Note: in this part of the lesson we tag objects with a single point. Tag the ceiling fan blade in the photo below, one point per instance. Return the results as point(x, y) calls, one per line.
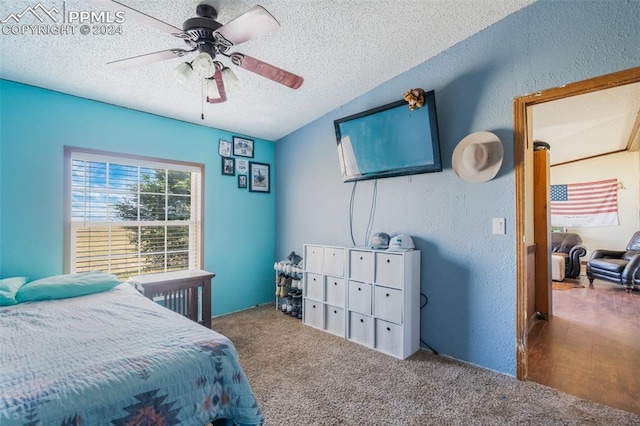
point(253, 23)
point(217, 76)
point(149, 58)
point(267, 70)
point(143, 18)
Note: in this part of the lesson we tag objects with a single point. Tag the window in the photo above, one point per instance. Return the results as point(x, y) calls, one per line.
point(131, 215)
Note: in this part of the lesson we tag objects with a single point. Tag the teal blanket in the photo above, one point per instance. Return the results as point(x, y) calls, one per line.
point(117, 358)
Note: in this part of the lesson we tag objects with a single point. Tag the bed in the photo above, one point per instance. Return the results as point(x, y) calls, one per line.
point(116, 357)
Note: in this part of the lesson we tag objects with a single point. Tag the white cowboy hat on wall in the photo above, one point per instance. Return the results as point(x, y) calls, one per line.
point(478, 157)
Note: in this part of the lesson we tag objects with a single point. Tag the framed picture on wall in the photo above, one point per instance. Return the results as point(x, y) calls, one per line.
point(242, 181)
point(242, 166)
point(242, 147)
point(228, 166)
point(259, 177)
point(224, 148)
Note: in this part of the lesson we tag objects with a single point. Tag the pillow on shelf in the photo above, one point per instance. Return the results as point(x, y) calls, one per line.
point(8, 289)
point(67, 285)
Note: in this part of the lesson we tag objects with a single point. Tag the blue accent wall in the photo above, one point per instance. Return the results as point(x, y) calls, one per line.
point(468, 274)
point(239, 226)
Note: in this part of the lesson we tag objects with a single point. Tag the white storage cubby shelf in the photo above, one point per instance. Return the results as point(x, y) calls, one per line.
point(323, 291)
point(371, 297)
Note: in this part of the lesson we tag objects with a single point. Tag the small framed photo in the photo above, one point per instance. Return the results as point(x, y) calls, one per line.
point(228, 166)
point(242, 147)
point(224, 148)
point(259, 177)
point(242, 181)
point(242, 166)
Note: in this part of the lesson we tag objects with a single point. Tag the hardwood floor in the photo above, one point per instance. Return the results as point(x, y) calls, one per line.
point(591, 346)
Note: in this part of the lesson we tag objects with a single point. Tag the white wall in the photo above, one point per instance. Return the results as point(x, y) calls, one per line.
point(625, 166)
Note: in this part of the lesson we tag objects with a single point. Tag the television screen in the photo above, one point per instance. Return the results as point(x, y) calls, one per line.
point(390, 140)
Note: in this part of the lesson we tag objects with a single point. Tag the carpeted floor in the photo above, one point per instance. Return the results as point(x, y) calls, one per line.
point(303, 376)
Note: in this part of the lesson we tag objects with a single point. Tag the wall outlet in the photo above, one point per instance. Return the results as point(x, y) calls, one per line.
point(499, 225)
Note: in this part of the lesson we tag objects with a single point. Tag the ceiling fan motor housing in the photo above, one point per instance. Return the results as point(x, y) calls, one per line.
point(201, 30)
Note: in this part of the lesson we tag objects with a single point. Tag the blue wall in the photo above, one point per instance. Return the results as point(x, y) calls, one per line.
point(468, 274)
point(37, 124)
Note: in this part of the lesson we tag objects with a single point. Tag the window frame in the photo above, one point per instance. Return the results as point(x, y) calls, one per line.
point(138, 160)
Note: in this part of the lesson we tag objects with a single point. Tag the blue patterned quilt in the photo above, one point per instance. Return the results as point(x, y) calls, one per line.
point(116, 358)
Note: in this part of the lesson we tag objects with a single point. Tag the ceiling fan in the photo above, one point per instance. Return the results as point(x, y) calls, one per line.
point(212, 40)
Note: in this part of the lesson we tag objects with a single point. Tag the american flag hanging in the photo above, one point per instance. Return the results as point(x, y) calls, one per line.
point(586, 204)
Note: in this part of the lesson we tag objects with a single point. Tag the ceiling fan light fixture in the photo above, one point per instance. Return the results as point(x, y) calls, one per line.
point(230, 79)
point(212, 88)
point(182, 72)
point(203, 64)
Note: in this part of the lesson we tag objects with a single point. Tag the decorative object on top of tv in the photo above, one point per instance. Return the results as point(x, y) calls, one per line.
point(242, 147)
point(415, 98)
point(224, 148)
point(478, 157)
point(259, 177)
point(228, 166)
point(210, 40)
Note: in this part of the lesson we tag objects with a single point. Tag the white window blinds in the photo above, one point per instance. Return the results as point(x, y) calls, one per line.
point(131, 216)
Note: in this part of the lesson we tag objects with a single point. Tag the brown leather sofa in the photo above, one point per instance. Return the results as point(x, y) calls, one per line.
point(569, 246)
point(617, 266)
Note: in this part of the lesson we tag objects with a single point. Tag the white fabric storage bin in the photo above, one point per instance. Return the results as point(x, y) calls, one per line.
point(334, 291)
point(314, 289)
point(360, 297)
point(334, 320)
point(313, 314)
point(360, 329)
point(313, 256)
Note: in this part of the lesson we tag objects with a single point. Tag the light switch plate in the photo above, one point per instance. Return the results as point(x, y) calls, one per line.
point(499, 225)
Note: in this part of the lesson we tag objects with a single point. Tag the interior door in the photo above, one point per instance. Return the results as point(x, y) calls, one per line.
point(541, 232)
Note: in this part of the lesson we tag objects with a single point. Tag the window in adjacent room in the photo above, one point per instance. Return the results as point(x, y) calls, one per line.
point(130, 215)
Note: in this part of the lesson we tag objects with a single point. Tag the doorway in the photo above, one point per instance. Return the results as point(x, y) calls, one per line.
point(524, 186)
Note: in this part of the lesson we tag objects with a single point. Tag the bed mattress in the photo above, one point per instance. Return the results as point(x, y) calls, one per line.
point(117, 358)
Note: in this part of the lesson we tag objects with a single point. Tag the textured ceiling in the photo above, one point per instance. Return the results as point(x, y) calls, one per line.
point(342, 48)
point(589, 125)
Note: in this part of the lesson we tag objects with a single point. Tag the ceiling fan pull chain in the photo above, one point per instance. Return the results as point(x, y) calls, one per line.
point(202, 102)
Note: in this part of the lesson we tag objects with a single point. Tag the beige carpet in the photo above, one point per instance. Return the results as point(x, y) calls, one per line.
point(302, 376)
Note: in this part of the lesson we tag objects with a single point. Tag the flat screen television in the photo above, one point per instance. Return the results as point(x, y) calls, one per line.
point(389, 140)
